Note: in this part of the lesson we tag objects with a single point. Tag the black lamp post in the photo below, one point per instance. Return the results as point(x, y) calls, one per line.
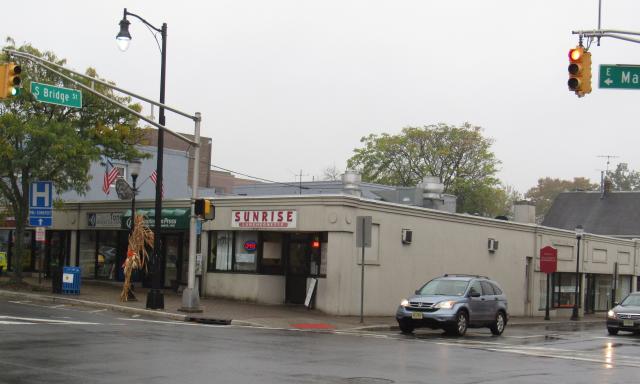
point(155, 298)
point(134, 170)
point(579, 233)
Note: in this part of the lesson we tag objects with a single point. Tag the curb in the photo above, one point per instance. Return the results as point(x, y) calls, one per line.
point(94, 304)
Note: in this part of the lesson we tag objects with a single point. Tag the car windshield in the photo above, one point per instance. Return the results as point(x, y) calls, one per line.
point(445, 288)
point(631, 300)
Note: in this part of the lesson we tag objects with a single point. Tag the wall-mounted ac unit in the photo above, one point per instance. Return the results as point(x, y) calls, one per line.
point(407, 236)
point(492, 245)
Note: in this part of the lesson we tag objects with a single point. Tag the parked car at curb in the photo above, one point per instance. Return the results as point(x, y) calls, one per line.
point(625, 316)
point(455, 303)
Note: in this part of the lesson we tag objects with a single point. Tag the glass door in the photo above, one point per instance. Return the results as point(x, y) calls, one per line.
point(298, 261)
point(173, 256)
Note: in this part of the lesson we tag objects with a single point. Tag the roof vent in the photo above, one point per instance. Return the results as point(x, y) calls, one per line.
point(432, 187)
point(351, 183)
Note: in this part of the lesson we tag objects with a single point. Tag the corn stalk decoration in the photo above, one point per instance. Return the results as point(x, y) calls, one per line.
point(140, 238)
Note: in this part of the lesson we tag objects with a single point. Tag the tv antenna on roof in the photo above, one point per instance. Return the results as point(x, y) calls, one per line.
point(609, 157)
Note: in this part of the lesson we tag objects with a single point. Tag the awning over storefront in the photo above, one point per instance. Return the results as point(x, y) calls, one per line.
point(174, 218)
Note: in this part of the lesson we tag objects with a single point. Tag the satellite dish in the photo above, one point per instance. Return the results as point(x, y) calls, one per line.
point(123, 190)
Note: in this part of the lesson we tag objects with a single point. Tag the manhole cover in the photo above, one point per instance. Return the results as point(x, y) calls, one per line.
point(367, 380)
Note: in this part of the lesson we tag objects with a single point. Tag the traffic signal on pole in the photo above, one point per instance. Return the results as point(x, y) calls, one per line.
point(579, 71)
point(204, 209)
point(10, 80)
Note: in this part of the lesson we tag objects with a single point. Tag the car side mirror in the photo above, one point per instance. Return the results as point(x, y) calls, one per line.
point(474, 294)
point(417, 292)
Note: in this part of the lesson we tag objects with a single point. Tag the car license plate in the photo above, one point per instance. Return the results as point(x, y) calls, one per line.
point(416, 315)
point(627, 323)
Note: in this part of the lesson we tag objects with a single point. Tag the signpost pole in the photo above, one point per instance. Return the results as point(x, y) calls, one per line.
point(546, 308)
point(362, 278)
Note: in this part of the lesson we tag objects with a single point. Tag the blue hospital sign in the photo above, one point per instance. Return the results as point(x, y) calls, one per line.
point(40, 203)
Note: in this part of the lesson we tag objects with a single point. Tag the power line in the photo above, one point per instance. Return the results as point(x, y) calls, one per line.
point(257, 178)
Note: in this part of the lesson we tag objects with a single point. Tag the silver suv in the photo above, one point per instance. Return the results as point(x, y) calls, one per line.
point(455, 303)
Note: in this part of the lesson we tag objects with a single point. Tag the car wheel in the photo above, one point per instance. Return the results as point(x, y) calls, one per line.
point(613, 331)
point(459, 328)
point(405, 328)
point(498, 326)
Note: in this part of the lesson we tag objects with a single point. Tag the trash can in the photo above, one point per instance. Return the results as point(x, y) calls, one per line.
point(71, 280)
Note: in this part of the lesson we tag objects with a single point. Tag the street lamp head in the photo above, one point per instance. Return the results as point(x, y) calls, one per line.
point(579, 231)
point(124, 37)
point(134, 168)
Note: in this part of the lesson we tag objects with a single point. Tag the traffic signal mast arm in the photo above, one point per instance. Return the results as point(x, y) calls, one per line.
point(613, 33)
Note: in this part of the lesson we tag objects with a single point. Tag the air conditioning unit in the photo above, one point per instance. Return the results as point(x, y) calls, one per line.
point(407, 236)
point(492, 245)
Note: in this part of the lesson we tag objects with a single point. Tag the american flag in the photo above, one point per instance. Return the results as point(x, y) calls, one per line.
point(109, 177)
point(154, 178)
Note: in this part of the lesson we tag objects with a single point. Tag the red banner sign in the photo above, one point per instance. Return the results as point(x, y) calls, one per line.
point(548, 259)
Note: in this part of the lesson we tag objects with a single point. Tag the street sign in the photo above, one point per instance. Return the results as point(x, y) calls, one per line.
point(619, 76)
point(40, 234)
point(363, 231)
point(548, 260)
point(46, 93)
point(40, 221)
point(40, 204)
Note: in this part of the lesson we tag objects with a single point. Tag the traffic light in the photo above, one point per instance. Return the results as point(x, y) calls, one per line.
point(204, 209)
point(579, 71)
point(10, 80)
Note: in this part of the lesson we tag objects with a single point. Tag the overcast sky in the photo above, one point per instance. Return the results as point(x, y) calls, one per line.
point(285, 86)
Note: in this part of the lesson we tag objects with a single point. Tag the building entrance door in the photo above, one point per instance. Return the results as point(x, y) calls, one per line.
point(172, 248)
point(297, 269)
point(590, 296)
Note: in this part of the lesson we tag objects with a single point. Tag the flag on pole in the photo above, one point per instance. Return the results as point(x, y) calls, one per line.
point(154, 178)
point(110, 177)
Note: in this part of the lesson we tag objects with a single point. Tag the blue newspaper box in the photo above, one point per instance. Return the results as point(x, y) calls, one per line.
point(71, 280)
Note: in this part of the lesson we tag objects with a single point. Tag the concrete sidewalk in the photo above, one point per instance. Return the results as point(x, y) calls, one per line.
point(222, 311)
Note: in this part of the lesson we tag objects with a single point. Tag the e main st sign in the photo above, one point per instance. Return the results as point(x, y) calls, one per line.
point(619, 76)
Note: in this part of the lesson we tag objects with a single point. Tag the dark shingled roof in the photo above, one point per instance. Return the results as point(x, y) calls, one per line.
point(617, 214)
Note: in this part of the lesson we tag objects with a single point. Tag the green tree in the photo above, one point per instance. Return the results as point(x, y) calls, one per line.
point(459, 155)
point(623, 179)
point(547, 189)
point(47, 142)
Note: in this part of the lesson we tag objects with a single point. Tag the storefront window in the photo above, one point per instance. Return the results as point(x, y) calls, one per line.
point(271, 261)
point(220, 251)
point(87, 253)
point(564, 288)
point(246, 252)
point(107, 255)
point(4, 249)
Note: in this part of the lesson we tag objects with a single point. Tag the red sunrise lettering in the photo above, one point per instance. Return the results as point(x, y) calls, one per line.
point(237, 216)
point(256, 215)
point(271, 216)
point(279, 215)
point(264, 215)
point(289, 216)
point(246, 216)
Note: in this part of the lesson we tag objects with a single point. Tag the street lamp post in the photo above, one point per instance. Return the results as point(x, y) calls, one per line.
point(134, 170)
point(579, 233)
point(155, 298)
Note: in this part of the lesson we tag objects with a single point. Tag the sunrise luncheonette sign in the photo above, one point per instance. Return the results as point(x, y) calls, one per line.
point(284, 218)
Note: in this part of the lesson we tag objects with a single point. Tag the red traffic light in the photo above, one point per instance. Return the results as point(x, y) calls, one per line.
point(576, 53)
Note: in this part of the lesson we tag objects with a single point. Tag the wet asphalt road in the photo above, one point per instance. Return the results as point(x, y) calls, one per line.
point(47, 343)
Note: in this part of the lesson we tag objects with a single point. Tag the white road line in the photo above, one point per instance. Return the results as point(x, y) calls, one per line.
point(98, 310)
point(57, 306)
point(5, 322)
point(48, 321)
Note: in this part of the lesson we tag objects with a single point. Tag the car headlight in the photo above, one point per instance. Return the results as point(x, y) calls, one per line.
point(611, 314)
point(445, 304)
point(404, 303)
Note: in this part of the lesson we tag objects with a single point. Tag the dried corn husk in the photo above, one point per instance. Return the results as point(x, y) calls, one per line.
point(137, 255)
